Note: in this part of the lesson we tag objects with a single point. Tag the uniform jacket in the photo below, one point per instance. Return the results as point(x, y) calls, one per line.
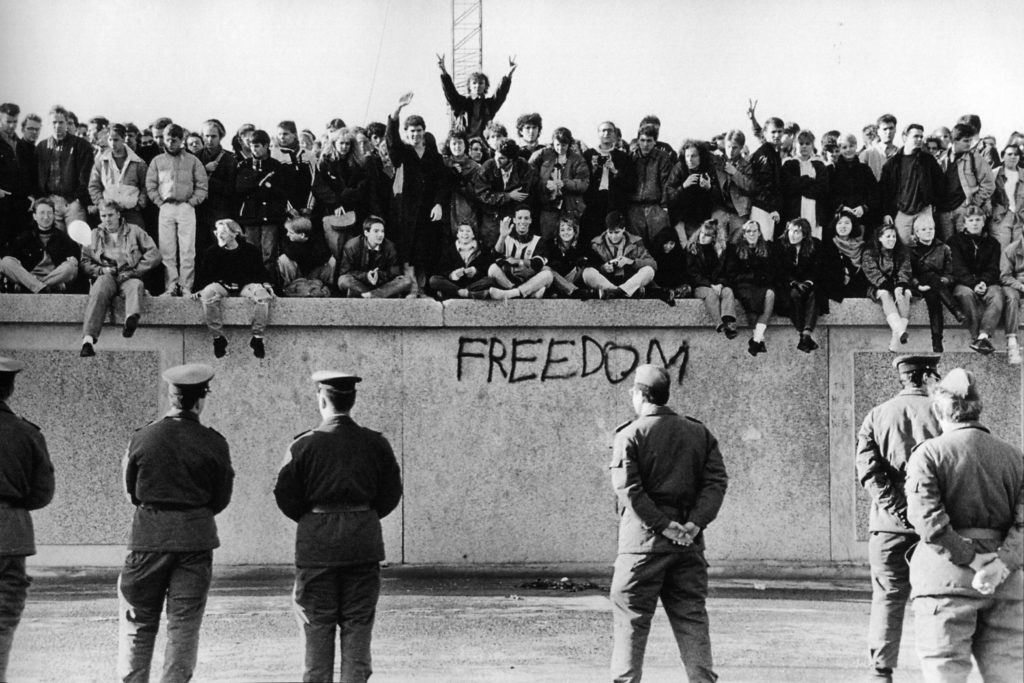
point(74, 157)
point(176, 178)
point(357, 259)
point(963, 480)
point(575, 178)
point(106, 177)
point(1011, 265)
point(26, 481)
point(28, 248)
point(178, 474)
point(650, 174)
point(338, 464)
point(665, 468)
point(141, 254)
point(930, 264)
point(473, 115)
point(887, 435)
point(262, 188)
point(975, 259)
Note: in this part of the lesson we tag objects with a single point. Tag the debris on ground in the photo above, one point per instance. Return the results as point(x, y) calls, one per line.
point(563, 584)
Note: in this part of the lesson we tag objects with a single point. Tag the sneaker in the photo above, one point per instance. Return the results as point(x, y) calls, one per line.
point(131, 323)
point(753, 348)
point(1013, 355)
point(220, 346)
point(982, 346)
point(88, 352)
point(256, 344)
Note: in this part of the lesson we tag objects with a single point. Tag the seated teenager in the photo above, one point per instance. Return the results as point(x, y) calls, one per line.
point(566, 255)
point(518, 270)
point(670, 274)
point(976, 279)
point(931, 264)
point(462, 271)
point(118, 255)
point(844, 249)
point(1011, 273)
point(800, 284)
point(705, 266)
point(749, 266)
point(563, 178)
point(622, 267)
point(43, 259)
point(231, 268)
point(370, 267)
point(887, 268)
point(304, 254)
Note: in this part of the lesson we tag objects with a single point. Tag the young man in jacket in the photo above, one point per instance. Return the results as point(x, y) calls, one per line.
point(43, 259)
point(64, 162)
point(976, 279)
point(370, 267)
point(622, 266)
point(912, 183)
point(969, 181)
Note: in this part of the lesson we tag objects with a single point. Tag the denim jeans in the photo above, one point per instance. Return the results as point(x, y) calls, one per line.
point(213, 310)
point(147, 579)
point(101, 297)
point(333, 599)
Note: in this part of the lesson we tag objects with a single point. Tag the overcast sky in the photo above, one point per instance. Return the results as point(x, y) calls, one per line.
point(822, 63)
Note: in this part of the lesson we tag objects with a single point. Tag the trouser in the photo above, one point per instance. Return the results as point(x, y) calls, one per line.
point(337, 237)
point(681, 581)
point(1011, 310)
point(332, 599)
point(720, 306)
point(905, 224)
point(14, 583)
point(596, 279)
point(803, 309)
point(983, 312)
point(147, 579)
point(264, 237)
point(647, 220)
point(288, 271)
point(35, 280)
point(65, 212)
point(568, 283)
point(527, 285)
point(101, 296)
point(450, 289)
point(213, 310)
point(948, 223)
point(934, 299)
point(177, 230)
point(950, 628)
point(1006, 229)
point(397, 286)
point(731, 223)
point(890, 590)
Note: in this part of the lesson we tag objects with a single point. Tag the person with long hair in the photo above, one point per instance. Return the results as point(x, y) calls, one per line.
point(566, 256)
point(691, 189)
point(670, 275)
point(342, 186)
point(805, 185)
point(931, 265)
point(887, 268)
point(749, 264)
point(799, 280)
point(461, 207)
point(705, 266)
point(846, 246)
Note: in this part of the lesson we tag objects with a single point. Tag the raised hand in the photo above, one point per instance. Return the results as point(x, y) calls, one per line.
point(440, 63)
point(751, 108)
point(512, 66)
point(405, 99)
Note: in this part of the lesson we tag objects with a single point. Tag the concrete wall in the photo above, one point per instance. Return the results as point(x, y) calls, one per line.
point(501, 415)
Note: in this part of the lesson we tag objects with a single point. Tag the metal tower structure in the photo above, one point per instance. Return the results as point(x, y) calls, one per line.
point(467, 39)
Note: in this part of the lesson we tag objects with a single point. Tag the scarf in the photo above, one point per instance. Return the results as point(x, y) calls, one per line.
point(467, 251)
point(852, 249)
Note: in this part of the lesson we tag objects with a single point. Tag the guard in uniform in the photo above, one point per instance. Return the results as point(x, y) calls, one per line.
point(177, 473)
point(965, 497)
point(888, 434)
point(670, 480)
point(26, 483)
point(338, 481)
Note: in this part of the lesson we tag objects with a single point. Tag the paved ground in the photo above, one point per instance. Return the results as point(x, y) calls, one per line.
point(490, 628)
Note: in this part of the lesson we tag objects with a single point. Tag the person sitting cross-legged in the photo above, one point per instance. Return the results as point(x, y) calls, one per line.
point(304, 254)
point(43, 259)
point(118, 255)
point(233, 267)
point(462, 271)
point(519, 269)
point(370, 267)
point(623, 265)
point(566, 256)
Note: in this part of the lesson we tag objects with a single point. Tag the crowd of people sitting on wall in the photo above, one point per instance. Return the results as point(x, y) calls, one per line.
point(779, 220)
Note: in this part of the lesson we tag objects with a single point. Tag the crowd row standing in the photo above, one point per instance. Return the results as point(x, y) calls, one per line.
point(382, 211)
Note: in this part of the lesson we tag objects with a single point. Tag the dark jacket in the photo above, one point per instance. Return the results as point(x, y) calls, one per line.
point(492, 191)
point(796, 186)
point(343, 183)
point(650, 175)
point(28, 248)
point(693, 204)
point(620, 184)
point(309, 254)
point(852, 184)
point(74, 158)
point(452, 260)
point(665, 468)
point(351, 468)
point(704, 266)
point(753, 271)
point(562, 260)
point(178, 474)
point(232, 268)
point(671, 270)
point(887, 269)
point(262, 188)
point(923, 186)
point(357, 260)
point(575, 178)
point(809, 265)
point(473, 115)
point(931, 265)
point(221, 200)
point(766, 172)
point(26, 481)
point(975, 259)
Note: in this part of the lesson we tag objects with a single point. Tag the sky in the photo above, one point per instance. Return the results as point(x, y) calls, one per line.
point(822, 63)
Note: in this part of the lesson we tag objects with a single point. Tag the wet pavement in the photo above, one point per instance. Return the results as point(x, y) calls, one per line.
point(486, 627)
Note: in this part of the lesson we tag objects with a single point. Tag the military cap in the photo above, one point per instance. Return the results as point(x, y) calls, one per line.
point(338, 381)
point(959, 383)
point(614, 220)
point(652, 376)
point(10, 366)
point(908, 363)
point(188, 375)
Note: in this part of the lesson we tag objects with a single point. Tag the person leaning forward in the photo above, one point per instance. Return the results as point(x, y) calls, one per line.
point(965, 497)
point(26, 483)
point(887, 435)
point(177, 473)
point(338, 481)
point(670, 480)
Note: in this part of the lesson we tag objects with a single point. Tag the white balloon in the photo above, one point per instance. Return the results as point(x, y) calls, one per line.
point(79, 231)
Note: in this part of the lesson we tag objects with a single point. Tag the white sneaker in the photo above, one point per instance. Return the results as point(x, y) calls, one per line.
point(1013, 355)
